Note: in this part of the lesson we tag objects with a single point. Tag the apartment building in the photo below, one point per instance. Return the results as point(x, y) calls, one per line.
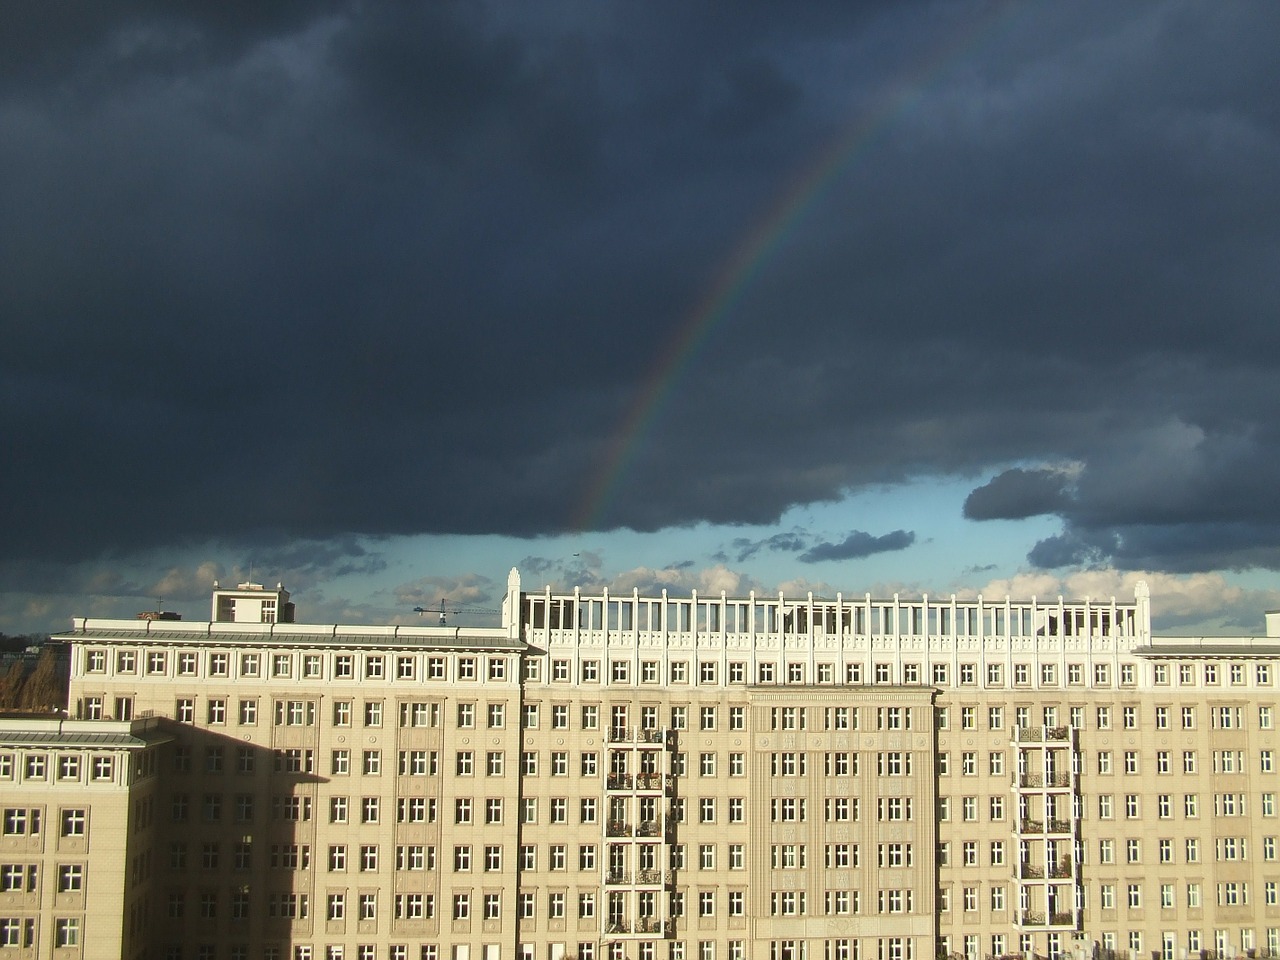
point(695, 778)
point(78, 806)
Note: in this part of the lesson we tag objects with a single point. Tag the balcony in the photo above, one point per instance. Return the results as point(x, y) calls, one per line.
point(636, 735)
point(618, 828)
point(1038, 918)
point(640, 927)
point(650, 878)
point(1035, 871)
point(1043, 734)
point(649, 828)
point(619, 781)
point(1039, 781)
point(1060, 826)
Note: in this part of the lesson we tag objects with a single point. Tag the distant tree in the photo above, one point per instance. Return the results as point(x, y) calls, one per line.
point(45, 689)
point(8, 642)
point(11, 684)
point(19, 642)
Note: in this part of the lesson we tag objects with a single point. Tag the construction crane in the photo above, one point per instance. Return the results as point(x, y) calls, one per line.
point(447, 609)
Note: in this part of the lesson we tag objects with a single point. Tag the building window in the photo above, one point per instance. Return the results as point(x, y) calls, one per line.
point(66, 932)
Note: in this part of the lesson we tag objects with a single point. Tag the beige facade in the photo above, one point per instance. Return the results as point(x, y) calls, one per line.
point(77, 809)
point(658, 778)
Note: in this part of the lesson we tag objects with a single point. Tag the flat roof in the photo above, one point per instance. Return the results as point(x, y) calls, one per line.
point(1204, 647)
point(292, 634)
point(53, 732)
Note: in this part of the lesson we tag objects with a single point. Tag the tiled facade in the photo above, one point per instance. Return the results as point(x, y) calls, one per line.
point(695, 778)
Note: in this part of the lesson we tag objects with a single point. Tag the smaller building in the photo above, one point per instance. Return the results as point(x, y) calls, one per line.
point(251, 603)
point(74, 793)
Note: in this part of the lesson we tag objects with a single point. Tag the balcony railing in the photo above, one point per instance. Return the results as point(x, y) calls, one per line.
point(618, 828)
point(619, 781)
point(1035, 871)
point(649, 828)
point(1038, 918)
point(1043, 734)
point(648, 781)
point(641, 926)
point(615, 877)
point(636, 735)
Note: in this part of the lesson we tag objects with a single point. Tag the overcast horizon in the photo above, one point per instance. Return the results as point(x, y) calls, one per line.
point(379, 301)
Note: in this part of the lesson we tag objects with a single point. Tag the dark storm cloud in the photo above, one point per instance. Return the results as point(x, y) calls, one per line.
point(788, 542)
point(1175, 497)
point(859, 544)
point(304, 271)
point(1017, 494)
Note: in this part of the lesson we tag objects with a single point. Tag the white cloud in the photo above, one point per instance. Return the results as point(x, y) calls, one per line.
point(1206, 601)
point(188, 583)
point(468, 589)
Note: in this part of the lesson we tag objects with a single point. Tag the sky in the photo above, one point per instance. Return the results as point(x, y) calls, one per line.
point(382, 300)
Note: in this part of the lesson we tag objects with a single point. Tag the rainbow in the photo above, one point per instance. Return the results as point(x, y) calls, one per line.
point(735, 276)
